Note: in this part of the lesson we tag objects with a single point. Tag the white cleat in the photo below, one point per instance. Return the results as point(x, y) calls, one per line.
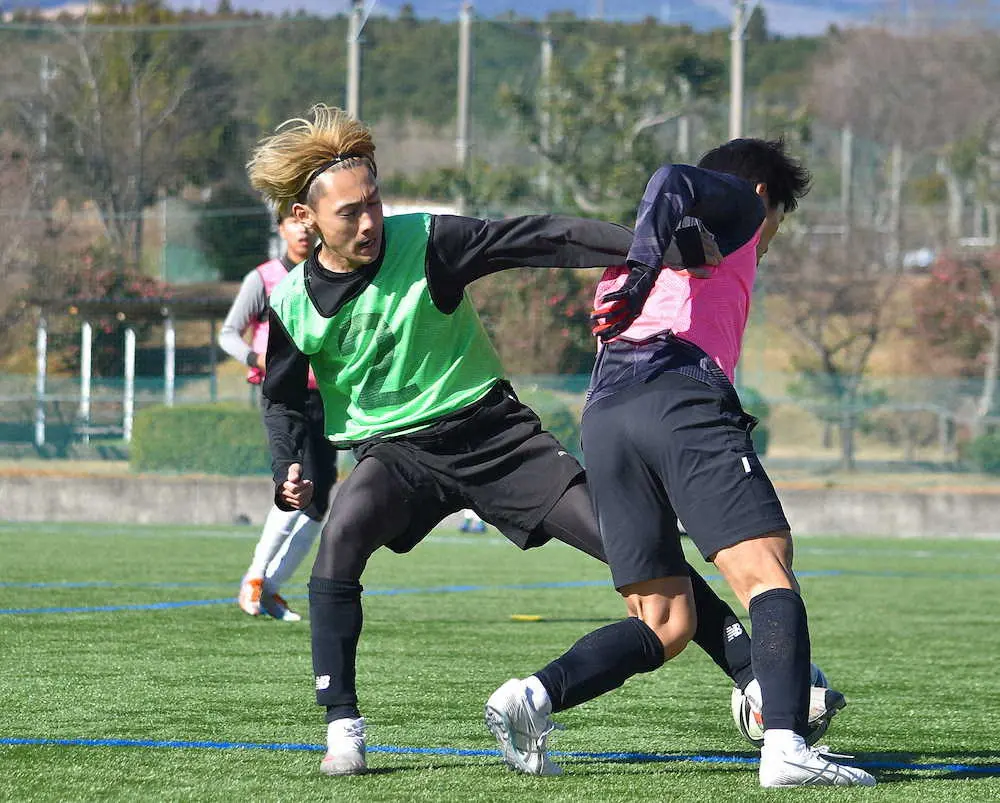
point(345, 748)
point(520, 729)
point(807, 766)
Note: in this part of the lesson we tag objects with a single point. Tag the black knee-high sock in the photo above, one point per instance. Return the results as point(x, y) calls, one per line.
point(601, 661)
point(335, 619)
point(720, 632)
point(780, 648)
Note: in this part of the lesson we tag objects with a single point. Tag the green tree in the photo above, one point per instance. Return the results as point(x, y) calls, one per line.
point(596, 126)
point(233, 230)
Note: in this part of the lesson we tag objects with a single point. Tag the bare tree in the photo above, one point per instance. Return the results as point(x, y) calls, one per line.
point(957, 320)
point(130, 109)
point(834, 299)
point(924, 93)
point(18, 230)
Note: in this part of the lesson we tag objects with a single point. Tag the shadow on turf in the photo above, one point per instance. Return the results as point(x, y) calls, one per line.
point(890, 767)
point(887, 767)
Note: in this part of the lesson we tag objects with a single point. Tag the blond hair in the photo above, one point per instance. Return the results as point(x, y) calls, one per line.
point(283, 165)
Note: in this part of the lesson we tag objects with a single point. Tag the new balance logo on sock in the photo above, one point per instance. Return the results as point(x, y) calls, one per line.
point(322, 682)
point(734, 631)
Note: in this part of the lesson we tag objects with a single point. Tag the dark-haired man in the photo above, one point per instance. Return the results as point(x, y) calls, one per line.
point(664, 435)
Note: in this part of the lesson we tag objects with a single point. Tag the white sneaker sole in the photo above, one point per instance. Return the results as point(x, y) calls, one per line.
point(499, 725)
point(831, 774)
point(334, 766)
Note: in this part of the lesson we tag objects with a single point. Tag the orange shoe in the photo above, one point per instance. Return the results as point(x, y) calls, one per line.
point(249, 598)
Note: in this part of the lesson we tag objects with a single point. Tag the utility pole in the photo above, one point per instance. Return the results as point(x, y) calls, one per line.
point(545, 111)
point(846, 176)
point(355, 24)
point(464, 80)
point(737, 40)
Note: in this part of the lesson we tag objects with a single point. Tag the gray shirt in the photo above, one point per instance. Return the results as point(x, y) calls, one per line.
point(249, 307)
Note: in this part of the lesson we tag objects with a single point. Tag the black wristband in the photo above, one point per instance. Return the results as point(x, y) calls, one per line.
point(252, 359)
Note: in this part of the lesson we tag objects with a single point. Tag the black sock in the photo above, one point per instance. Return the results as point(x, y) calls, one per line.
point(335, 619)
point(720, 633)
point(601, 661)
point(780, 647)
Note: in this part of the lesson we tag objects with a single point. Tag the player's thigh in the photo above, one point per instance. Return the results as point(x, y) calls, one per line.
point(371, 509)
point(636, 519)
point(572, 521)
point(713, 476)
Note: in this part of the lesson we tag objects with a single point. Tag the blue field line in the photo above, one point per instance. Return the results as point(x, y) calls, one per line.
point(388, 592)
point(392, 592)
point(109, 584)
point(376, 592)
point(473, 753)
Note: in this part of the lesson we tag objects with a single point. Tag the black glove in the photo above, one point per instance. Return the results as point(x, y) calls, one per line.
point(619, 308)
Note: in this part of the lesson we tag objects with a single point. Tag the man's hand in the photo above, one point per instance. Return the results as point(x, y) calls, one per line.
point(619, 308)
point(296, 492)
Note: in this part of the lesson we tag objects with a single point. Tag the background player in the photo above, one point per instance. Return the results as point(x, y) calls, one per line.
point(288, 535)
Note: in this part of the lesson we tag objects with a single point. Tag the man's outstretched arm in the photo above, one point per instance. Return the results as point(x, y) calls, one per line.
point(463, 249)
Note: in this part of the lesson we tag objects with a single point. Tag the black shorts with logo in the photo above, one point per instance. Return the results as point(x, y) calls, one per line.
point(674, 445)
point(492, 456)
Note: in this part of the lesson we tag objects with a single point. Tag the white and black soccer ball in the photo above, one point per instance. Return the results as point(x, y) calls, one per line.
point(750, 723)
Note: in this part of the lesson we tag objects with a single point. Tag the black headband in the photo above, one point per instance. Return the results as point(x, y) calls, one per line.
point(336, 160)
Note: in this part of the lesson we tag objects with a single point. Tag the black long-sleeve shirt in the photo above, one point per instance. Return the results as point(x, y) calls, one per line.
point(459, 251)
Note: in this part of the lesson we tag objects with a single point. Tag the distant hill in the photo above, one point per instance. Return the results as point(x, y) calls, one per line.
point(787, 17)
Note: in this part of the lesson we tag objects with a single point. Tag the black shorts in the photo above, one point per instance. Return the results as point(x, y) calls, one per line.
point(492, 456)
point(674, 447)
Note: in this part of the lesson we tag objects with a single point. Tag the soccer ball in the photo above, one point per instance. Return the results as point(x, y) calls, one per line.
point(750, 722)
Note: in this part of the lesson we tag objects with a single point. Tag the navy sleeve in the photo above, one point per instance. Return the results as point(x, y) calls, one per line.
point(728, 206)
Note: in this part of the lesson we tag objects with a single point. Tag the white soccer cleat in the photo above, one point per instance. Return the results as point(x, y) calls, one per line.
point(806, 766)
point(520, 729)
point(345, 748)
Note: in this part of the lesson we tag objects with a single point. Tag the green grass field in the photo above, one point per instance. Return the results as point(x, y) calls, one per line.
point(129, 674)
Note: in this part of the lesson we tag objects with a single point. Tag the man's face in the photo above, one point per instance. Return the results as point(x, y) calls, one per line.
point(297, 239)
point(347, 216)
point(772, 222)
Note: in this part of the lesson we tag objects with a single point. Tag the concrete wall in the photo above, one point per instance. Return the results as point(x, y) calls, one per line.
point(215, 500)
